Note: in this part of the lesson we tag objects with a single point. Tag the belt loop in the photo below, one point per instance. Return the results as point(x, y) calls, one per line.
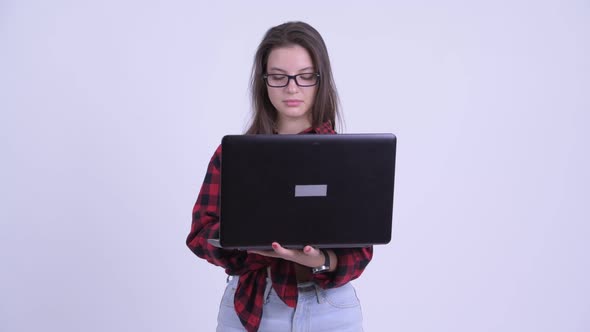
point(268, 286)
point(318, 294)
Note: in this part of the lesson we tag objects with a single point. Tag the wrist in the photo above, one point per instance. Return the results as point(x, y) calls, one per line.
point(325, 266)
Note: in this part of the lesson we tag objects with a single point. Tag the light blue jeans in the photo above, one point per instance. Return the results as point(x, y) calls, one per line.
point(317, 310)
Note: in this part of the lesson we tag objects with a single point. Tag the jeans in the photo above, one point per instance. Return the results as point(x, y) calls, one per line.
point(317, 310)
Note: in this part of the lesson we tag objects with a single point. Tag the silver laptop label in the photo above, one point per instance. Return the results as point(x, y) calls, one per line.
point(312, 190)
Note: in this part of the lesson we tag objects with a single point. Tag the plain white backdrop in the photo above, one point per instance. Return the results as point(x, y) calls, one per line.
point(110, 111)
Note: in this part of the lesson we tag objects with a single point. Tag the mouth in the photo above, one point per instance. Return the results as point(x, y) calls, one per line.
point(293, 102)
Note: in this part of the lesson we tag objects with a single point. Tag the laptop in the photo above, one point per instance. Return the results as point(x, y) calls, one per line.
point(328, 191)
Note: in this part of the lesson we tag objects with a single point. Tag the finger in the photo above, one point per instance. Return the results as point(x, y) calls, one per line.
point(280, 250)
point(311, 251)
point(289, 254)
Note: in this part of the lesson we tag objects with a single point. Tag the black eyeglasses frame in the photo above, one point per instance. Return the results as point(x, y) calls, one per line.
point(291, 77)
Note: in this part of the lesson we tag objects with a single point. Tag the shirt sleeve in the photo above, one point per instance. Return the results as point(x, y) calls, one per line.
point(351, 264)
point(205, 225)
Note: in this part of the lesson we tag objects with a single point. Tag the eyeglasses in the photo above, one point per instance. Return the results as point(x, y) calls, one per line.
point(282, 80)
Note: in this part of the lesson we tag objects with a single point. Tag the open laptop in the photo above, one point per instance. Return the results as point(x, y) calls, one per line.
point(329, 191)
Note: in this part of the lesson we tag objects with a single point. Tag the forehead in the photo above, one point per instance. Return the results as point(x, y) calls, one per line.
point(289, 58)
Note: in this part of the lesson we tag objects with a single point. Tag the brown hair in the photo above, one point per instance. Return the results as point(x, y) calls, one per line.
point(325, 106)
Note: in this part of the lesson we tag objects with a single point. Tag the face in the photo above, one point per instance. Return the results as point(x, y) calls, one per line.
point(292, 102)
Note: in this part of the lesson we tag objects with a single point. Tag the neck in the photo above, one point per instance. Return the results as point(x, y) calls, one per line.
point(293, 126)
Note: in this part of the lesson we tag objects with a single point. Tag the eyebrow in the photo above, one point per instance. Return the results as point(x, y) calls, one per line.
point(284, 71)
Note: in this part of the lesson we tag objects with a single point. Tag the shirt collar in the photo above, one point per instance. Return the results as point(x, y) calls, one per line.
point(325, 128)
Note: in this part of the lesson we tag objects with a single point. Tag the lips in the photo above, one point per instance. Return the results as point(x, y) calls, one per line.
point(293, 102)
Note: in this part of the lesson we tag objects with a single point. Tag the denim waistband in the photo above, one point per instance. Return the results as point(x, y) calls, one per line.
point(308, 286)
point(305, 287)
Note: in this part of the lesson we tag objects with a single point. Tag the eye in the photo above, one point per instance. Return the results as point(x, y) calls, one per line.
point(277, 77)
point(308, 77)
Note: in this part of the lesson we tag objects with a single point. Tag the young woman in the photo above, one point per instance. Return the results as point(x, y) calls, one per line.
point(283, 289)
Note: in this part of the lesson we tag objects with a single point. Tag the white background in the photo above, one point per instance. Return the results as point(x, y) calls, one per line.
point(110, 111)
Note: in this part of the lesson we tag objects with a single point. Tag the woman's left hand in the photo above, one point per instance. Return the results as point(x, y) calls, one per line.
point(308, 256)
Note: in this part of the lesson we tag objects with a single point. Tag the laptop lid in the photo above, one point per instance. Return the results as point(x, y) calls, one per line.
point(321, 190)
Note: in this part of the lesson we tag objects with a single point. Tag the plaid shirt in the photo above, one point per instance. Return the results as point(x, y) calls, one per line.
point(251, 268)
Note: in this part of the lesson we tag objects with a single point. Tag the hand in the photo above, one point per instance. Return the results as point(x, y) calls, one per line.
point(309, 256)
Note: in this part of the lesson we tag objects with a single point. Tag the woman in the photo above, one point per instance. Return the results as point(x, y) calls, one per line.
point(283, 289)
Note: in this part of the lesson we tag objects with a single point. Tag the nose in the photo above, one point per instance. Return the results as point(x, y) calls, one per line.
point(292, 85)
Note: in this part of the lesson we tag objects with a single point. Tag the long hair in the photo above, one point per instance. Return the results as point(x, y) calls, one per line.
point(326, 104)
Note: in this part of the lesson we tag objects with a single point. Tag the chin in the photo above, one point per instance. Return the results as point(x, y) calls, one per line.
point(294, 113)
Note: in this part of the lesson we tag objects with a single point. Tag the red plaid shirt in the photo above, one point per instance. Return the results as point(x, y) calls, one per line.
point(251, 268)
